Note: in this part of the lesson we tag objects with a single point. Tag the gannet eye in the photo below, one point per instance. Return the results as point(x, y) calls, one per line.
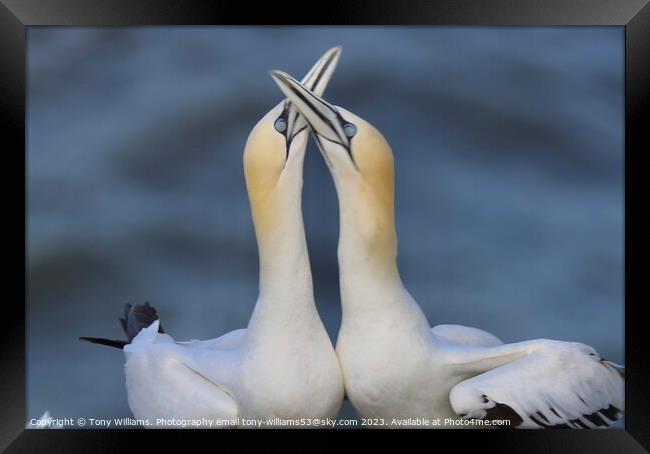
point(280, 125)
point(350, 130)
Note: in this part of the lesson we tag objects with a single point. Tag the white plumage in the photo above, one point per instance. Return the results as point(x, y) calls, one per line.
point(553, 384)
point(394, 365)
point(283, 365)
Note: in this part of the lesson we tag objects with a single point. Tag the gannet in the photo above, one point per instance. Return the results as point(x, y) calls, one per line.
point(395, 367)
point(283, 365)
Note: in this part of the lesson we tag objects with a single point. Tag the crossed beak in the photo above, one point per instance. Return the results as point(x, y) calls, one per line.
point(315, 80)
point(323, 118)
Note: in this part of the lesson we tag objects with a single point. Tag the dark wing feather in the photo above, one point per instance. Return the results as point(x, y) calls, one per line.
point(138, 317)
point(135, 318)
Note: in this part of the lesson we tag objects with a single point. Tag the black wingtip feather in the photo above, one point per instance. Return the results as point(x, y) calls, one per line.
point(612, 413)
point(108, 342)
point(135, 318)
point(502, 411)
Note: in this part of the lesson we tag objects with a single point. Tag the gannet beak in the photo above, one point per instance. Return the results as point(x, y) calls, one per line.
point(323, 118)
point(315, 80)
point(319, 75)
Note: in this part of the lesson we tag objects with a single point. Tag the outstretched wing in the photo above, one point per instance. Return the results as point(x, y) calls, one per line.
point(551, 385)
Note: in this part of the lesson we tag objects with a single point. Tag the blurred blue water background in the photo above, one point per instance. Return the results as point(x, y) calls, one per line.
point(509, 167)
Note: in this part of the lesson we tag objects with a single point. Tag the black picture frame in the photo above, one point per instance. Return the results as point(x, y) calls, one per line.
point(634, 15)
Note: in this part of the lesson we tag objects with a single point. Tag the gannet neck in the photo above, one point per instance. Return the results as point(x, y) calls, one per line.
point(274, 182)
point(367, 237)
point(286, 301)
point(367, 250)
point(283, 257)
point(370, 281)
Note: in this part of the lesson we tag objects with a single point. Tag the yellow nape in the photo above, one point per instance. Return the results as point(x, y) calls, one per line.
point(376, 190)
point(374, 159)
point(264, 159)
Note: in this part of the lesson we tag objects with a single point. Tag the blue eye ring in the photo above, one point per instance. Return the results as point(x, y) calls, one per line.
point(350, 130)
point(280, 125)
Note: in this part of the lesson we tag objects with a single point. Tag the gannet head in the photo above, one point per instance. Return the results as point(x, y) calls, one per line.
point(270, 155)
point(360, 161)
point(275, 149)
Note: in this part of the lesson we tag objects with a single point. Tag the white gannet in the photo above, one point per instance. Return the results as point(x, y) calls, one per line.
point(283, 365)
point(395, 367)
